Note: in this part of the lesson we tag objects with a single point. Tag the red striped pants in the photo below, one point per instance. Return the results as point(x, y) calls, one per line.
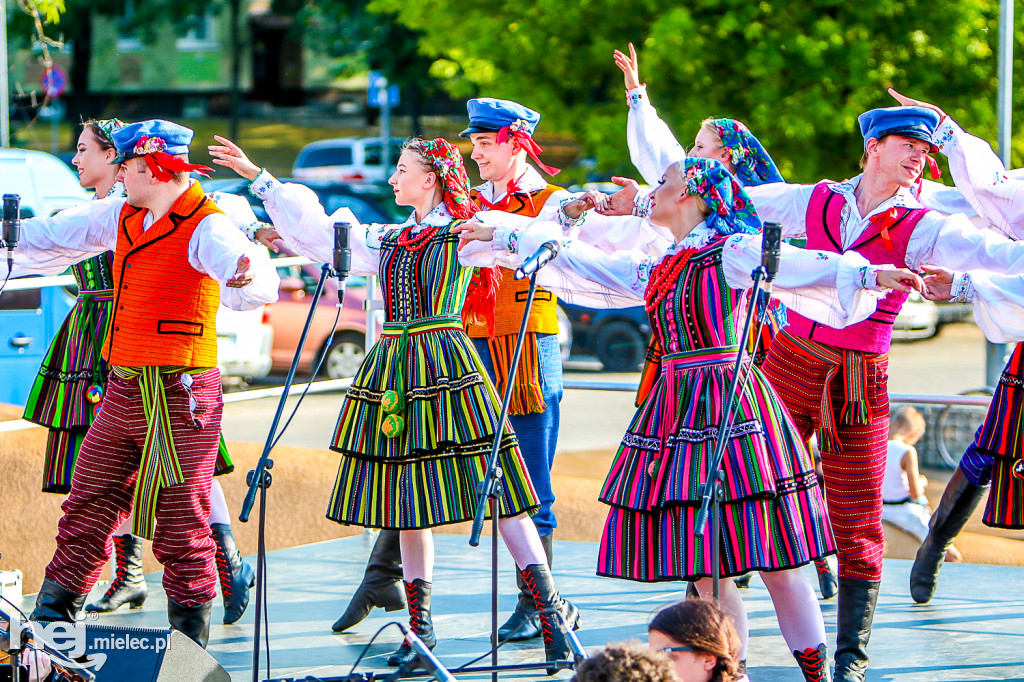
point(103, 487)
point(853, 476)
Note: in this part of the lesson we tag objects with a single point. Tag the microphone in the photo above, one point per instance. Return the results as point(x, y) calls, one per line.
point(342, 257)
point(771, 239)
point(426, 657)
point(11, 226)
point(578, 654)
point(541, 257)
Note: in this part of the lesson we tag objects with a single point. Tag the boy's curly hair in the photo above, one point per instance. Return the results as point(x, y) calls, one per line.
point(626, 662)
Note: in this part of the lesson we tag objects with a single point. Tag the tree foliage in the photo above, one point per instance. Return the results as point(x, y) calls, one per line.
point(798, 74)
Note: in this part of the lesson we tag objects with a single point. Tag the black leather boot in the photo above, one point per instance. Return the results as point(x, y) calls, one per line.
point(524, 623)
point(813, 663)
point(857, 600)
point(959, 500)
point(129, 583)
point(193, 621)
point(417, 595)
point(555, 613)
point(235, 573)
point(828, 581)
point(381, 585)
point(56, 603)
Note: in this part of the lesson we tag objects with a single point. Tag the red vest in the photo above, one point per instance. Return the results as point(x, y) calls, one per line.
point(874, 334)
point(165, 311)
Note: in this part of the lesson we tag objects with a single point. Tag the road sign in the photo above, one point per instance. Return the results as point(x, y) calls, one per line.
point(379, 93)
point(54, 81)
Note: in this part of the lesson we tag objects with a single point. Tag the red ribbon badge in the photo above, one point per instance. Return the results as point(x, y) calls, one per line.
point(886, 220)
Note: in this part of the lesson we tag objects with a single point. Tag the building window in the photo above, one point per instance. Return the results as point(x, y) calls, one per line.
point(200, 32)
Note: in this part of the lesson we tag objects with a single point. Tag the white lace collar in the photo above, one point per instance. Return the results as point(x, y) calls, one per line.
point(904, 197)
point(530, 181)
point(438, 216)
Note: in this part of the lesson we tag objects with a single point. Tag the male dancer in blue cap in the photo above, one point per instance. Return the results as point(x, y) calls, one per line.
point(154, 444)
point(502, 136)
point(835, 381)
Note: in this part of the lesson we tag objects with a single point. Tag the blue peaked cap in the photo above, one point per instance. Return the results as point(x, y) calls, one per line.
point(176, 138)
point(915, 122)
point(489, 115)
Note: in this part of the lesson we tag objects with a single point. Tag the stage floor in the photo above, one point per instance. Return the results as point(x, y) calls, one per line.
point(972, 630)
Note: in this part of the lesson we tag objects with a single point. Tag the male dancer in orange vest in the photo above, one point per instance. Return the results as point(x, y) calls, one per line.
point(154, 444)
point(502, 136)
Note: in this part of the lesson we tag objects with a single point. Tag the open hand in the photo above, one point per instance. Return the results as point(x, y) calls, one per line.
point(621, 202)
point(630, 67)
point(229, 154)
point(268, 236)
point(938, 283)
point(473, 231)
point(242, 275)
point(900, 279)
point(911, 102)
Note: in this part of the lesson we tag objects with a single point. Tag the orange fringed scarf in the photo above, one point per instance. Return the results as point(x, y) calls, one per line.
point(482, 298)
point(527, 397)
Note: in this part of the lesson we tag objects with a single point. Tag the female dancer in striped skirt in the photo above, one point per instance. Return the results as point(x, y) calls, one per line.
point(773, 517)
point(417, 426)
point(69, 389)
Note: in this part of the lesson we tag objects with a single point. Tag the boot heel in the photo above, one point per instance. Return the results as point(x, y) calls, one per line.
point(137, 602)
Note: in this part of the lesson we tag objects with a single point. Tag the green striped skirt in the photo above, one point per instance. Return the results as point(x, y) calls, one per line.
point(427, 474)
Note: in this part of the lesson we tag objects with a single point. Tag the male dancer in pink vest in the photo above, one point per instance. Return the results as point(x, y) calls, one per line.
point(835, 381)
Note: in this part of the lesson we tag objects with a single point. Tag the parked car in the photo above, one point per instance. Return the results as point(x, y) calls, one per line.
point(617, 336)
point(244, 343)
point(346, 159)
point(918, 319)
point(348, 335)
point(370, 203)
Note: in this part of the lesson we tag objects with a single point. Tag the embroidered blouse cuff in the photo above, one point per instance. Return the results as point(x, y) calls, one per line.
point(961, 291)
point(869, 277)
point(564, 221)
point(642, 204)
point(505, 240)
point(262, 185)
point(252, 228)
point(636, 96)
point(947, 136)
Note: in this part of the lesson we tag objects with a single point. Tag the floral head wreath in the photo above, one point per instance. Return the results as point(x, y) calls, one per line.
point(732, 211)
point(446, 159)
point(107, 126)
point(753, 165)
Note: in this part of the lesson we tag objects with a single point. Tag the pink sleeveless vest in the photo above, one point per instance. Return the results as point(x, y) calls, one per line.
point(874, 334)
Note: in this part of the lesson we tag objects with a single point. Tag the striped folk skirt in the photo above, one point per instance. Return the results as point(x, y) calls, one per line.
point(773, 516)
point(427, 474)
point(1002, 437)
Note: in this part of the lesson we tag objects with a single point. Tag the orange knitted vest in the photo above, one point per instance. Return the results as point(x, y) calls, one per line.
point(512, 292)
point(165, 311)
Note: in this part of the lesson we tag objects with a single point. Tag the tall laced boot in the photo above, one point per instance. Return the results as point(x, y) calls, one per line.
point(56, 603)
point(193, 621)
point(555, 613)
point(813, 663)
point(524, 623)
point(417, 595)
point(857, 600)
point(235, 573)
point(828, 582)
point(381, 586)
point(129, 583)
point(959, 500)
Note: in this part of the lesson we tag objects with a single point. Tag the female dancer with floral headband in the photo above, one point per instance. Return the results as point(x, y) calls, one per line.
point(418, 422)
point(69, 389)
point(773, 517)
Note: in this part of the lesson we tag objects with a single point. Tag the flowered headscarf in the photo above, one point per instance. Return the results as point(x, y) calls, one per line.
point(732, 211)
point(107, 126)
point(446, 159)
point(753, 165)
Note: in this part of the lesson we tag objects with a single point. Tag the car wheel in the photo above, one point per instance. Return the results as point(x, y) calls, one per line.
point(619, 346)
point(345, 355)
point(564, 333)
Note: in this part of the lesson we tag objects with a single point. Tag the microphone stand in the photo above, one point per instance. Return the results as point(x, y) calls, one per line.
point(259, 479)
point(714, 486)
point(490, 489)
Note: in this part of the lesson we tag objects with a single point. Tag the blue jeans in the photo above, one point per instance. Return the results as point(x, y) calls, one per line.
point(538, 433)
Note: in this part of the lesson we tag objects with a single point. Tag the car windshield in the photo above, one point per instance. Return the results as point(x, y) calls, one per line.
point(325, 156)
point(372, 154)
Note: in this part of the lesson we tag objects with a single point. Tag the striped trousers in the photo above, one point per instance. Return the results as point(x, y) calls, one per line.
point(853, 475)
point(103, 487)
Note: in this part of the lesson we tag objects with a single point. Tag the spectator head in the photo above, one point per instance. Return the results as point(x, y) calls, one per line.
point(700, 639)
point(628, 662)
point(907, 424)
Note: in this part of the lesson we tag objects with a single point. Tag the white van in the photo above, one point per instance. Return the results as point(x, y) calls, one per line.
point(346, 159)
